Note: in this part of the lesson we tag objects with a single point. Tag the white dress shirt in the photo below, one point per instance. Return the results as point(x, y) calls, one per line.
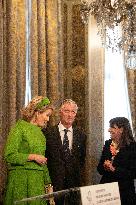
point(69, 134)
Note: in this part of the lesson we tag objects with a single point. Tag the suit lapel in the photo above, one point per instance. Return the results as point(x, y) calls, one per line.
point(75, 140)
point(57, 134)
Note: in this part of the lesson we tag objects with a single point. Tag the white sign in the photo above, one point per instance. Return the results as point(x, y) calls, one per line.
point(101, 194)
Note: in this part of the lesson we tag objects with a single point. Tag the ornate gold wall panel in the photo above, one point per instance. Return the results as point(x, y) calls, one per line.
point(84, 82)
point(74, 57)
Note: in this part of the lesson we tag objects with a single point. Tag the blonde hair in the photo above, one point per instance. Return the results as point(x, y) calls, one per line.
point(33, 107)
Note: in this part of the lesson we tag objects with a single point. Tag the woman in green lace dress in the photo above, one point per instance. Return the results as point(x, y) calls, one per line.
point(25, 154)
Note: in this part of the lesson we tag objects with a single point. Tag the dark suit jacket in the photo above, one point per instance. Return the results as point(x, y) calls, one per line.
point(125, 172)
point(58, 171)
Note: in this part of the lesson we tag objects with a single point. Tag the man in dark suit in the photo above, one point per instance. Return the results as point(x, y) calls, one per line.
point(66, 168)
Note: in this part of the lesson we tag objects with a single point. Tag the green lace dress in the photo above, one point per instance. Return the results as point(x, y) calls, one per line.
point(25, 178)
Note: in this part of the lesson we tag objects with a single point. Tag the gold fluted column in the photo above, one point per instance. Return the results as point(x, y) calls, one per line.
point(38, 48)
point(96, 102)
point(42, 48)
point(1, 61)
point(52, 51)
point(60, 50)
point(34, 48)
point(46, 49)
point(131, 80)
point(12, 71)
point(21, 56)
point(14, 66)
point(11, 51)
point(2, 175)
point(54, 72)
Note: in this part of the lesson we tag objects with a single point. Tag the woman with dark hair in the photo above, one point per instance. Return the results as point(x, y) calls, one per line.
point(118, 160)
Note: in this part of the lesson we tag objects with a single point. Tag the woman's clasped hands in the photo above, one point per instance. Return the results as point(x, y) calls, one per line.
point(40, 159)
point(108, 166)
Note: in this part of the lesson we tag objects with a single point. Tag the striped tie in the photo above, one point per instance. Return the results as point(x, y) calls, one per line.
point(66, 149)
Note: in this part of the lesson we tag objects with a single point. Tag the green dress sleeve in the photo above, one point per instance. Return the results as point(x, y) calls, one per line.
point(14, 140)
point(47, 179)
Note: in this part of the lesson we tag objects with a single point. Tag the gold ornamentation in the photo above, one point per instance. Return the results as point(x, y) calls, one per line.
point(49, 190)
